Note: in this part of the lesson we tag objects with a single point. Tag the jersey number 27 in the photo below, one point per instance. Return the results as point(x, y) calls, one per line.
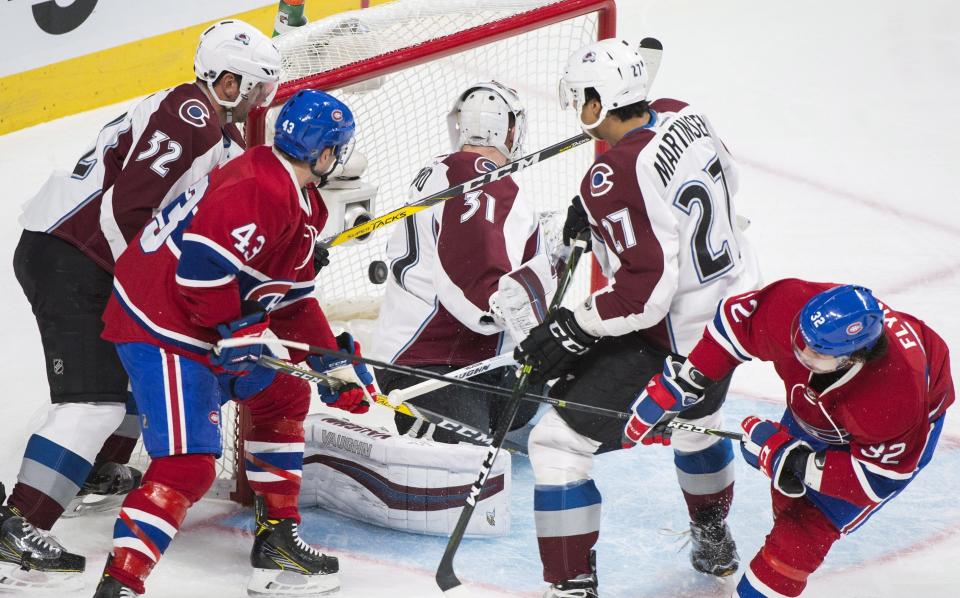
point(712, 214)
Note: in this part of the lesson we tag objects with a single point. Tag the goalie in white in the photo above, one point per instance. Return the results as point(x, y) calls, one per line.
point(453, 266)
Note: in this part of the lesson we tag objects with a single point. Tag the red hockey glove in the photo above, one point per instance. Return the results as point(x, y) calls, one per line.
point(679, 387)
point(771, 448)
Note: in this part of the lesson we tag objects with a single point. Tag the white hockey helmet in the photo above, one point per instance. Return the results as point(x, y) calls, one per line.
point(481, 116)
point(614, 68)
point(237, 47)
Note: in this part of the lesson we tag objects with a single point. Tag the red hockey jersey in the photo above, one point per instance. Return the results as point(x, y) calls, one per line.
point(244, 233)
point(878, 415)
point(141, 161)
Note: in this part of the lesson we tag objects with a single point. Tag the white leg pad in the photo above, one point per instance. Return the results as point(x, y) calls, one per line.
point(690, 442)
point(559, 454)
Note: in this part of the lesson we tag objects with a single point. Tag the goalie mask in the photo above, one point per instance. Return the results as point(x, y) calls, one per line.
point(237, 47)
point(613, 68)
point(481, 116)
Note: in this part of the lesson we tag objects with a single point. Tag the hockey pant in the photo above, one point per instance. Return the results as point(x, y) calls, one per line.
point(804, 530)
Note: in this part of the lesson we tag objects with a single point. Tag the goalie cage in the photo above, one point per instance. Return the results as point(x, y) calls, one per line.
point(398, 66)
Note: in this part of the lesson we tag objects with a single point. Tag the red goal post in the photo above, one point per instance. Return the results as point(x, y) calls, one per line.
point(399, 66)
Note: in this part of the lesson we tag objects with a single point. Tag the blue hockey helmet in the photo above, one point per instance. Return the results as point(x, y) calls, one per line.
point(841, 320)
point(311, 121)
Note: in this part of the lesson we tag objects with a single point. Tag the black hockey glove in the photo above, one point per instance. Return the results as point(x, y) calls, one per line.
point(321, 258)
point(553, 347)
point(576, 223)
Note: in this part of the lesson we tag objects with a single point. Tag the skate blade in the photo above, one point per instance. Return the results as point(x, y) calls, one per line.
point(15, 580)
point(92, 503)
point(273, 582)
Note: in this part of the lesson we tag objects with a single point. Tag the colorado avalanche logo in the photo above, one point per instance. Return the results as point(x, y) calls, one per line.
point(854, 328)
point(243, 38)
point(268, 294)
point(195, 113)
point(337, 115)
point(484, 165)
point(601, 182)
point(590, 56)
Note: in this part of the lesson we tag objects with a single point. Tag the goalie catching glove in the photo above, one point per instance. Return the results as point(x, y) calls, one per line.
point(679, 387)
point(357, 377)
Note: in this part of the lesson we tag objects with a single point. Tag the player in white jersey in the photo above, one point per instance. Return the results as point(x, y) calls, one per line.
point(659, 204)
point(76, 226)
point(447, 263)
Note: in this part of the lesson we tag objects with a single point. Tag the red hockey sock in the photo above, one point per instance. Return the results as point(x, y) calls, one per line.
point(273, 450)
point(152, 514)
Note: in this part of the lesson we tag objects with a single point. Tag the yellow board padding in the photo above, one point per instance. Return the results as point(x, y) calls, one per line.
point(123, 72)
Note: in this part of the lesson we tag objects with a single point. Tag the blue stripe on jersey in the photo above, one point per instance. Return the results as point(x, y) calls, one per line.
point(718, 324)
point(709, 460)
point(201, 262)
point(286, 461)
point(156, 333)
point(58, 458)
point(575, 495)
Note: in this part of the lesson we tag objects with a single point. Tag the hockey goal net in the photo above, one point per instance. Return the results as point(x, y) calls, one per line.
point(399, 67)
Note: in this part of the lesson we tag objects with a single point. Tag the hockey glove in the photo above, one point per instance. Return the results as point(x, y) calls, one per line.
point(349, 397)
point(769, 447)
point(321, 258)
point(553, 347)
point(238, 361)
point(576, 223)
point(679, 387)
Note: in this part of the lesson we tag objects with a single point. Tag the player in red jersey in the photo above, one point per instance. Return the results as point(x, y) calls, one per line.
point(867, 388)
point(660, 206)
point(75, 228)
point(232, 256)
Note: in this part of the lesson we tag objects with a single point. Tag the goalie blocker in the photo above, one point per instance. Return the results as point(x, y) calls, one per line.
point(399, 482)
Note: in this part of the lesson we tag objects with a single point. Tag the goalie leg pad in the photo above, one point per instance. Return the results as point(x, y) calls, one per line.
point(59, 457)
point(705, 470)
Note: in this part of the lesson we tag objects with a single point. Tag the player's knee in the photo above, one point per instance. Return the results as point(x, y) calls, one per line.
point(559, 455)
point(82, 426)
point(189, 475)
point(689, 442)
point(286, 398)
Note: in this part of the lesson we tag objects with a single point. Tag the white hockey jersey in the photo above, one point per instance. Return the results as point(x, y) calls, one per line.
point(140, 162)
point(660, 204)
point(446, 262)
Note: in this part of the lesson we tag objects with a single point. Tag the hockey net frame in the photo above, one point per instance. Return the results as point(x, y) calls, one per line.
point(530, 16)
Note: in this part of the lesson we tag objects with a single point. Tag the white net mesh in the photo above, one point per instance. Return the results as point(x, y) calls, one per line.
point(401, 117)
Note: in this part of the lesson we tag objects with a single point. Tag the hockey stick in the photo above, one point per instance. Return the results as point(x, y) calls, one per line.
point(400, 395)
point(446, 577)
point(469, 433)
point(406, 211)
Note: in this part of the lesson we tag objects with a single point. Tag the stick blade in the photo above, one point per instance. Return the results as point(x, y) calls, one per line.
point(652, 51)
point(448, 583)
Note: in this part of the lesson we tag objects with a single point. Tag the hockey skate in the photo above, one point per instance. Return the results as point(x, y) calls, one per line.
point(714, 551)
point(109, 587)
point(285, 565)
point(104, 490)
point(31, 559)
point(583, 586)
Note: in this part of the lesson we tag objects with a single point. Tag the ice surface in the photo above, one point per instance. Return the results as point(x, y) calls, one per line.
point(844, 119)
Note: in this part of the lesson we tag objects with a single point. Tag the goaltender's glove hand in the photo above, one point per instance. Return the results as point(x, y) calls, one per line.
point(679, 387)
point(770, 447)
point(576, 223)
point(238, 361)
point(553, 347)
point(349, 397)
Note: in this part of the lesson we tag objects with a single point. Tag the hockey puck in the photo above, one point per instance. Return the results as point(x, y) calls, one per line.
point(377, 272)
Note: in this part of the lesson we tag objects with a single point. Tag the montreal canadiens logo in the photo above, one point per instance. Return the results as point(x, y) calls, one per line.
point(601, 182)
point(214, 417)
point(485, 165)
point(337, 115)
point(269, 293)
point(854, 328)
point(195, 113)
